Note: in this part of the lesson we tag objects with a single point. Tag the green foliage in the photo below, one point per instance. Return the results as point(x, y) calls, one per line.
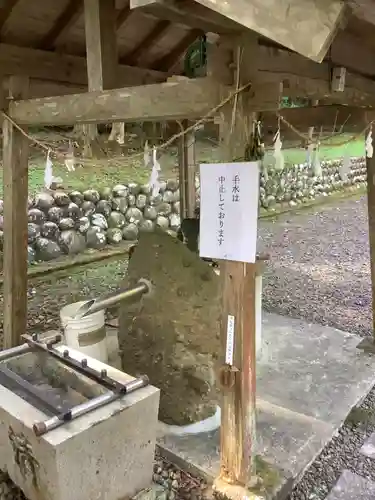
point(195, 58)
point(298, 102)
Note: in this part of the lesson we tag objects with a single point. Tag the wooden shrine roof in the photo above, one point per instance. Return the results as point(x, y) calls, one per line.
point(46, 40)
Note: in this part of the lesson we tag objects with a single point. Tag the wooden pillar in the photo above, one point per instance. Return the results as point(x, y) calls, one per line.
point(368, 343)
point(101, 53)
point(238, 299)
point(238, 426)
point(239, 383)
point(187, 169)
point(15, 180)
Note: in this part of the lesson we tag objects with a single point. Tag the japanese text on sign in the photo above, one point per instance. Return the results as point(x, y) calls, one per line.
point(221, 211)
point(236, 188)
point(229, 211)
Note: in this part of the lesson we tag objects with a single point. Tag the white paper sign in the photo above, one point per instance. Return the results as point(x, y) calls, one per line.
point(230, 341)
point(229, 211)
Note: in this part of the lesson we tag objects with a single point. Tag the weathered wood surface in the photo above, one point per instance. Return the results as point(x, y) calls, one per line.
point(165, 101)
point(317, 21)
point(101, 44)
point(101, 55)
point(187, 173)
point(189, 14)
point(173, 335)
point(304, 78)
point(237, 432)
point(299, 75)
point(15, 173)
point(370, 164)
point(57, 67)
point(238, 402)
point(329, 117)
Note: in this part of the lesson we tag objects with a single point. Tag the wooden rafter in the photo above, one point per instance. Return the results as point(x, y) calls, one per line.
point(151, 39)
point(167, 62)
point(68, 17)
point(6, 11)
point(48, 65)
point(65, 20)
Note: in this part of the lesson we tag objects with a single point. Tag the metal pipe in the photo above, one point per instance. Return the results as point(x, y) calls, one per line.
point(29, 392)
point(79, 366)
point(129, 295)
point(41, 428)
point(14, 351)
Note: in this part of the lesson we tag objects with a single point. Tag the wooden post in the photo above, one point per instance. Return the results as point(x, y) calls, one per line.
point(101, 53)
point(368, 343)
point(237, 468)
point(238, 402)
point(15, 180)
point(187, 169)
point(237, 440)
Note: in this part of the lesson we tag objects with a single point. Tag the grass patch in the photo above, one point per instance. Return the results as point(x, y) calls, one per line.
point(331, 149)
point(122, 170)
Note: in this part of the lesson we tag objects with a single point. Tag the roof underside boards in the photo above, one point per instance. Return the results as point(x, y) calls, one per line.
point(316, 21)
point(47, 39)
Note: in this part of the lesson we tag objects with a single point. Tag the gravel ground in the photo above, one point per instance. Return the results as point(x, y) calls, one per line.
point(341, 453)
point(318, 270)
point(319, 266)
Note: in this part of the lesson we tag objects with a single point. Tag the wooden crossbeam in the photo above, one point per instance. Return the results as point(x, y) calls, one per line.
point(302, 77)
point(167, 62)
point(151, 39)
point(66, 19)
point(62, 68)
point(333, 118)
point(5, 11)
point(165, 101)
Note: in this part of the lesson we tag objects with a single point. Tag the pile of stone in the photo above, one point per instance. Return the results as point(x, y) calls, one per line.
point(297, 184)
point(68, 223)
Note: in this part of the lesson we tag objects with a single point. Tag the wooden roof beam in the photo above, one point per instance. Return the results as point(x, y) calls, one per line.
point(302, 77)
point(167, 62)
point(164, 101)
point(6, 11)
point(47, 65)
point(66, 19)
point(332, 117)
point(151, 39)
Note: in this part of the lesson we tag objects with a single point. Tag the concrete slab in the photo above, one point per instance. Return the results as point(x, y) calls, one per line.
point(368, 448)
point(350, 486)
point(308, 379)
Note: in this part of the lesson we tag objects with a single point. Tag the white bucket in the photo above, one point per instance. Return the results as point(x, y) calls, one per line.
point(88, 334)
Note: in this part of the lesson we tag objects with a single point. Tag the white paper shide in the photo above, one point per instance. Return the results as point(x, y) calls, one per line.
point(229, 211)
